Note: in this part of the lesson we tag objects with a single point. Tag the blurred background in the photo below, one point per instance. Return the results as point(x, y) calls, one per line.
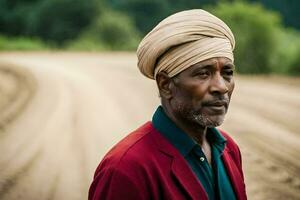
point(70, 89)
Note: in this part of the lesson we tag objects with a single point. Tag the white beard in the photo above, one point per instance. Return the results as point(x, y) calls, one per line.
point(206, 121)
point(196, 117)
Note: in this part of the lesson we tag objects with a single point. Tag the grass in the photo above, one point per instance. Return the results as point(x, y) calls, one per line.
point(22, 44)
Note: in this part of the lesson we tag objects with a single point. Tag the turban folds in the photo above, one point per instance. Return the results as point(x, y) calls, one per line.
point(182, 40)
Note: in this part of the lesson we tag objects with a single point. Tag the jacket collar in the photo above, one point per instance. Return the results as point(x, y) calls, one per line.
point(185, 176)
point(234, 174)
point(180, 168)
point(179, 138)
point(183, 143)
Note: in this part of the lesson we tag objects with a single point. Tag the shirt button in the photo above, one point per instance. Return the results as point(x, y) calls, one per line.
point(202, 159)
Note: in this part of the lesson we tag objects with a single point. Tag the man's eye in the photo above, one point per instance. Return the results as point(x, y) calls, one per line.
point(203, 74)
point(228, 73)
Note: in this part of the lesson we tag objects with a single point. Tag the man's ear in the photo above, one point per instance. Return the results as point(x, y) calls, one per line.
point(164, 84)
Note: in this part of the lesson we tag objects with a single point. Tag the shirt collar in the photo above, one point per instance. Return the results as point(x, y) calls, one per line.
point(180, 139)
point(215, 138)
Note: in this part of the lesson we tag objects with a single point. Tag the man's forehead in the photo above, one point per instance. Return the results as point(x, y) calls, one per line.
point(212, 62)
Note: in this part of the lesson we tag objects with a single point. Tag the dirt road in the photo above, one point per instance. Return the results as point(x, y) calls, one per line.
point(60, 112)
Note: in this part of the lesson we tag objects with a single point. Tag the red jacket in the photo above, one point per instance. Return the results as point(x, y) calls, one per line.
point(145, 166)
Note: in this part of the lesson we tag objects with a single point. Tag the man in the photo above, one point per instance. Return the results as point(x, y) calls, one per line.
point(180, 154)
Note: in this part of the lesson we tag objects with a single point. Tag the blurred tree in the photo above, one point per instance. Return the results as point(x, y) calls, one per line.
point(180, 5)
point(147, 13)
point(294, 68)
point(289, 9)
point(13, 15)
point(114, 30)
point(61, 20)
point(51, 20)
point(287, 52)
point(255, 30)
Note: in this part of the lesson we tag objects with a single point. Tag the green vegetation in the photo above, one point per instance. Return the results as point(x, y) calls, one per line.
point(264, 44)
point(54, 21)
point(61, 20)
point(294, 68)
point(147, 13)
point(21, 43)
point(286, 57)
point(289, 9)
point(255, 32)
point(111, 31)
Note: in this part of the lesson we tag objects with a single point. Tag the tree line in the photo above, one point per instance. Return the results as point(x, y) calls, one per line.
point(266, 30)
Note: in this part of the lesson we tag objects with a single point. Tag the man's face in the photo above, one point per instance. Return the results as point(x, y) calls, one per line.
point(201, 93)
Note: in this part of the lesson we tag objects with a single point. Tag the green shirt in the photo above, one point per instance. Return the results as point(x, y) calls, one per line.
point(213, 178)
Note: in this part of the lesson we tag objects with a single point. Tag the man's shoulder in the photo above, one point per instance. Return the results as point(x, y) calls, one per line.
point(133, 150)
point(230, 141)
point(121, 168)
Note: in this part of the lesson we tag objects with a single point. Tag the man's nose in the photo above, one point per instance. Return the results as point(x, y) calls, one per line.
point(218, 84)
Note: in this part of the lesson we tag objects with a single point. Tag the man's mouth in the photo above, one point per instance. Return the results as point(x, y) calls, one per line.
point(217, 107)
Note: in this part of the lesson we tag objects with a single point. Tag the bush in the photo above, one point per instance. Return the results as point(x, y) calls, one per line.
point(113, 31)
point(294, 68)
point(85, 44)
point(287, 52)
point(147, 13)
point(255, 30)
point(21, 43)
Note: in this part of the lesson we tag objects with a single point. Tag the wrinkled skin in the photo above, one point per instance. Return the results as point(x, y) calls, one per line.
point(199, 96)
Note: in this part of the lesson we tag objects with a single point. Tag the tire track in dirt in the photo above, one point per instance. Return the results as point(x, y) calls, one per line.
point(17, 87)
point(38, 144)
point(55, 157)
point(271, 149)
point(77, 86)
point(266, 174)
point(8, 183)
point(284, 94)
point(272, 103)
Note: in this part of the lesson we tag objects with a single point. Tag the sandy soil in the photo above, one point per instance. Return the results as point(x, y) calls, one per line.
point(60, 112)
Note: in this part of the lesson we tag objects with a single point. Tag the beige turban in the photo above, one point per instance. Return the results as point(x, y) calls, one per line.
point(182, 40)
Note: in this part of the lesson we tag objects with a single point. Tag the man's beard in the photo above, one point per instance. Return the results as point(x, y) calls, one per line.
point(208, 121)
point(196, 116)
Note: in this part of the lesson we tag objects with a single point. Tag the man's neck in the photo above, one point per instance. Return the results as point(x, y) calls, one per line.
point(195, 131)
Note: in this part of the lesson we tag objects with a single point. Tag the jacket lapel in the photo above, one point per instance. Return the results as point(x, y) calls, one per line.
point(180, 169)
point(184, 175)
point(234, 174)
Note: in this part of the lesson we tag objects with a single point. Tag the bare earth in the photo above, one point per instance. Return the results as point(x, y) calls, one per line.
point(60, 112)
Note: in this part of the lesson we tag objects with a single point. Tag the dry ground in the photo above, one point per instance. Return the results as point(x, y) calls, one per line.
point(60, 112)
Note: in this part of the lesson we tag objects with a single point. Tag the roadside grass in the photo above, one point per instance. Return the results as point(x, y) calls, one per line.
point(21, 44)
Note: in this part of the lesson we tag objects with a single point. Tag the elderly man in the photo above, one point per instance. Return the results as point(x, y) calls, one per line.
point(180, 154)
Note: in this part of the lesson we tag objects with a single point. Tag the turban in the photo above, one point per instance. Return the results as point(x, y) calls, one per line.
point(182, 40)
